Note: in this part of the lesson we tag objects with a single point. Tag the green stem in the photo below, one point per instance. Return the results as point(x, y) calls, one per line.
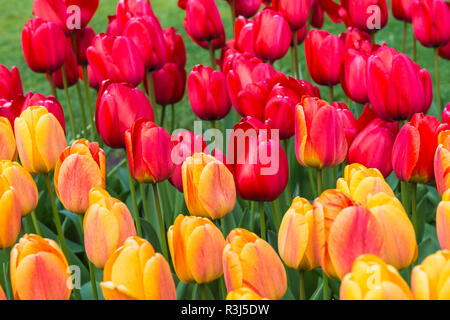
point(114, 170)
point(252, 215)
point(405, 32)
point(276, 214)
point(163, 115)
point(319, 182)
point(302, 285)
point(414, 209)
point(36, 223)
point(325, 285)
point(91, 108)
point(404, 195)
point(211, 55)
point(297, 75)
point(144, 201)
point(133, 197)
point(372, 37)
point(151, 89)
point(83, 111)
point(162, 229)
point(172, 126)
point(334, 175)
point(331, 93)
point(438, 82)
point(223, 287)
point(52, 86)
point(69, 103)
point(91, 266)
point(233, 12)
point(262, 220)
point(203, 291)
point(311, 182)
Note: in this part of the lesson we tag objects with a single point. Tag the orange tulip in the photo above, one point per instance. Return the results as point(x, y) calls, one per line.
point(372, 279)
point(196, 246)
point(21, 180)
point(208, 186)
point(136, 272)
point(40, 139)
point(295, 237)
point(431, 279)
point(443, 221)
point(250, 262)
point(10, 214)
point(39, 270)
point(2, 294)
point(107, 224)
point(79, 168)
point(442, 162)
point(243, 294)
point(8, 150)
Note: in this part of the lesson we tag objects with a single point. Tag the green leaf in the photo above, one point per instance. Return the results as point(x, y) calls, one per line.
point(86, 291)
point(151, 235)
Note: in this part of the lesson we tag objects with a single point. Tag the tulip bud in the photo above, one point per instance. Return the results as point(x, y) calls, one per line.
point(128, 9)
point(250, 262)
point(83, 40)
point(353, 38)
point(402, 9)
point(295, 12)
point(443, 221)
point(136, 272)
point(442, 162)
point(368, 15)
point(295, 237)
point(39, 270)
point(50, 103)
point(243, 294)
point(196, 246)
point(8, 149)
point(243, 34)
point(10, 83)
point(372, 279)
point(175, 48)
point(431, 279)
point(347, 119)
point(10, 213)
point(107, 224)
point(40, 139)
point(203, 21)
point(170, 83)
point(444, 51)
point(113, 26)
point(149, 150)
point(246, 8)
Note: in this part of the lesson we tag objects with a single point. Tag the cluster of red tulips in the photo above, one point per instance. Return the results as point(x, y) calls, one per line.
point(349, 241)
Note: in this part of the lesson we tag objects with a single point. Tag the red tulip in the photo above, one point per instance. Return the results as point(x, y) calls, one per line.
point(207, 93)
point(353, 37)
point(175, 48)
point(272, 35)
point(118, 107)
point(444, 51)
point(87, 9)
point(44, 45)
point(10, 83)
point(149, 150)
point(431, 22)
point(50, 103)
point(402, 9)
point(70, 63)
point(116, 59)
point(316, 15)
point(182, 4)
point(446, 114)
point(113, 26)
point(372, 147)
point(301, 35)
point(325, 55)
point(397, 87)
point(347, 119)
point(203, 21)
point(170, 83)
point(365, 118)
point(127, 9)
point(83, 41)
point(296, 12)
point(243, 34)
point(246, 8)
point(368, 15)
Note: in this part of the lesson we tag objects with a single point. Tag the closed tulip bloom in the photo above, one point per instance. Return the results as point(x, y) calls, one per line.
point(295, 12)
point(243, 34)
point(44, 45)
point(368, 15)
point(295, 237)
point(8, 149)
point(50, 103)
point(372, 279)
point(414, 149)
point(397, 87)
point(149, 150)
point(128, 9)
point(71, 66)
point(107, 224)
point(10, 213)
point(443, 221)
point(272, 35)
point(431, 279)
point(83, 38)
point(442, 162)
point(301, 35)
point(196, 246)
point(348, 121)
point(175, 48)
point(113, 26)
point(10, 83)
point(444, 51)
point(320, 140)
point(22, 181)
point(208, 187)
point(203, 21)
point(118, 107)
point(207, 93)
point(402, 9)
point(446, 114)
point(372, 147)
point(80, 168)
point(170, 84)
point(353, 37)
point(40, 139)
point(246, 8)
point(431, 22)
point(39, 270)
point(116, 59)
point(243, 294)
point(250, 262)
point(136, 272)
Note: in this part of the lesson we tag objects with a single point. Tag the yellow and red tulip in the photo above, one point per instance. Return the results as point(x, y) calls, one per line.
point(8, 149)
point(136, 272)
point(250, 262)
point(196, 246)
point(208, 187)
point(107, 224)
point(39, 270)
point(2, 294)
point(243, 294)
point(10, 214)
point(443, 221)
point(80, 168)
point(442, 162)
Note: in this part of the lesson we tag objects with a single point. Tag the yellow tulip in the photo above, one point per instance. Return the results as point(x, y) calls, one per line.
point(443, 221)
point(8, 149)
point(10, 214)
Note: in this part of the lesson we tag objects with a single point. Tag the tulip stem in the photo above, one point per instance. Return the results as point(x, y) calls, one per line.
point(319, 182)
point(114, 170)
point(262, 220)
point(163, 115)
point(414, 48)
point(36, 223)
point(133, 197)
point(69, 103)
point(144, 201)
point(372, 37)
point(83, 111)
point(331, 94)
point(203, 291)
point(311, 182)
point(89, 102)
point(405, 33)
point(276, 214)
point(438, 82)
point(325, 285)
point(172, 125)
point(302, 285)
point(52, 86)
point(233, 12)
point(297, 74)
point(212, 55)
point(404, 194)
point(162, 230)
point(414, 209)
point(151, 89)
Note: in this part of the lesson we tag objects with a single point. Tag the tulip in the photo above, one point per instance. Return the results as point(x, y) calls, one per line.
point(368, 15)
point(52, 11)
point(320, 140)
point(2, 294)
point(83, 40)
point(296, 13)
point(243, 34)
point(8, 149)
point(116, 59)
point(443, 221)
point(245, 8)
point(80, 168)
point(147, 35)
point(208, 187)
point(207, 93)
point(22, 182)
point(87, 9)
point(353, 38)
point(10, 83)
point(431, 22)
point(107, 224)
point(430, 280)
point(44, 46)
point(250, 262)
point(372, 279)
point(50, 103)
point(113, 26)
point(402, 9)
point(348, 120)
point(175, 48)
point(414, 149)
point(196, 246)
point(444, 51)
point(149, 150)
point(295, 237)
point(325, 55)
point(186, 143)
point(136, 272)
point(10, 213)
point(316, 15)
point(301, 35)
point(71, 69)
point(40, 139)
point(446, 114)
point(378, 135)
point(170, 83)
point(271, 35)
point(397, 87)
point(243, 294)
point(128, 9)
point(442, 162)
point(118, 107)
point(39, 270)
point(203, 22)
